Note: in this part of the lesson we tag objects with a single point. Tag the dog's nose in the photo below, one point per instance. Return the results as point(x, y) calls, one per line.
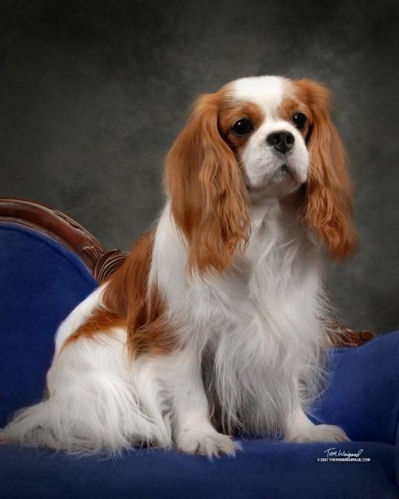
point(281, 141)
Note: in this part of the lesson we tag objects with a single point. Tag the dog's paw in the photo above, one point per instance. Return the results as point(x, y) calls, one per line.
point(207, 442)
point(318, 433)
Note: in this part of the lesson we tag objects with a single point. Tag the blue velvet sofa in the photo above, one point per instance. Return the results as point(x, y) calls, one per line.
point(42, 278)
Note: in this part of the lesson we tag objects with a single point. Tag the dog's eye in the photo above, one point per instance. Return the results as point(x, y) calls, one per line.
point(299, 120)
point(242, 127)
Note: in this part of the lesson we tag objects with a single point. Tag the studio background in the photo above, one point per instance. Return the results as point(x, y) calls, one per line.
point(92, 94)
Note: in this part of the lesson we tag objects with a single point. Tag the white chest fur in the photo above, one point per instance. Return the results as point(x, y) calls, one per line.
point(258, 326)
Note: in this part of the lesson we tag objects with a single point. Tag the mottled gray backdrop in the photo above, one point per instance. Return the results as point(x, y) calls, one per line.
point(92, 94)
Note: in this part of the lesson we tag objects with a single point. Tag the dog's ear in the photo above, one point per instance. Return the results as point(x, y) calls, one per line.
point(206, 190)
point(328, 205)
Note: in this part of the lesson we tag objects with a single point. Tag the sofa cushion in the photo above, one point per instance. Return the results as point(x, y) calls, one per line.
point(263, 469)
point(41, 282)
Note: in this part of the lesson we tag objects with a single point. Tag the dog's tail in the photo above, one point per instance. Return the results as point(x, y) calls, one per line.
point(86, 421)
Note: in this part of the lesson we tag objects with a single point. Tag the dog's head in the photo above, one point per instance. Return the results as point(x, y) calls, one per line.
point(257, 138)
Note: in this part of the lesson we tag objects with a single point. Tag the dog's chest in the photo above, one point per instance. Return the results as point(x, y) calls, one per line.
point(277, 277)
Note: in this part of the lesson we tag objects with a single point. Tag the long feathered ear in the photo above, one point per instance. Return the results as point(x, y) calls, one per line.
point(206, 190)
point(328, 207)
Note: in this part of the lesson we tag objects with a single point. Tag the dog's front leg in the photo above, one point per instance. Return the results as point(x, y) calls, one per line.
point(193, 432)
point(299, 428)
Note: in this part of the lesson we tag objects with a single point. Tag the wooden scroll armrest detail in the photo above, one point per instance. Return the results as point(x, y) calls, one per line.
point(54, 224)
point(346, 337)
point(108, 263)
point(63, 229)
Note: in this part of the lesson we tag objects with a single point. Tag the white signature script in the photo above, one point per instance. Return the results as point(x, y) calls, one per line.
point(334, 452)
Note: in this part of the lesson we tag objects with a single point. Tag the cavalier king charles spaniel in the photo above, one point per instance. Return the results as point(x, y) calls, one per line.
point(217, 322)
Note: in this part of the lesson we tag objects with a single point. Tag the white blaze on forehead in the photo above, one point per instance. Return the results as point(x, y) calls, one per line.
point(265, 91)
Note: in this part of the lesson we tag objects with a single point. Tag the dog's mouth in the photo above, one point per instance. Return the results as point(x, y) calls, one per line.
point(291, 172)
point(285, 174)
point(286, 170)
point(282, 172)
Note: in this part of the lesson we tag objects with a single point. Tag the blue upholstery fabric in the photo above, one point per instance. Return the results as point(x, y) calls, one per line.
point(41, 282)
point(363, 392)
point(262, 470)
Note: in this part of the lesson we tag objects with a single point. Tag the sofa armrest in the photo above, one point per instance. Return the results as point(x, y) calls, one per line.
point(362, 394)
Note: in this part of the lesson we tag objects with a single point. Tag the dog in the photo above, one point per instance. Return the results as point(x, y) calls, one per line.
point(216, 324)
